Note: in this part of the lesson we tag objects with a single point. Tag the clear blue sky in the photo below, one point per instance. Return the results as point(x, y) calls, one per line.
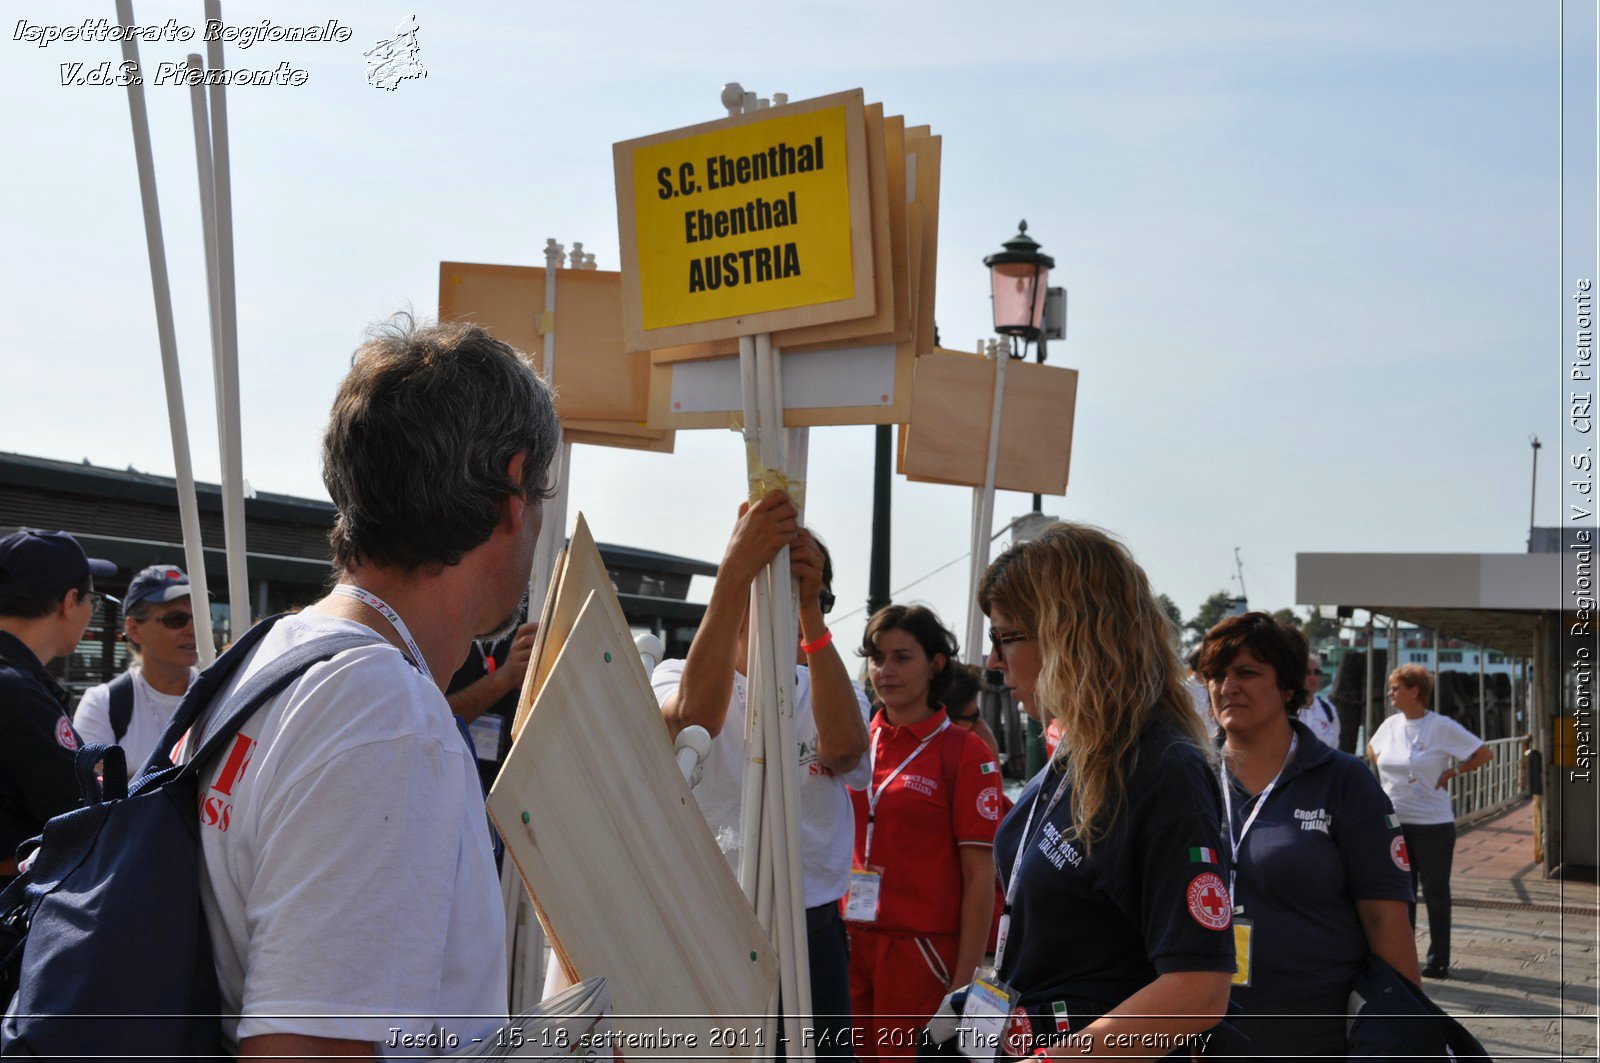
point(1311, 249)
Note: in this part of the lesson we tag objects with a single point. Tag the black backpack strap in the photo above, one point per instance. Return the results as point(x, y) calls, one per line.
point(120, 692)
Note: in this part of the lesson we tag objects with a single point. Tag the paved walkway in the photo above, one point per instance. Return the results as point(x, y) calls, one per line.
point(1524, 975)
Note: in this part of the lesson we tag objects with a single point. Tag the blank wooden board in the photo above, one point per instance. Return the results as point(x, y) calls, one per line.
point(922, 177)
point(579, 572)
point(618, 858)
point(951, 398)
point(870, 385)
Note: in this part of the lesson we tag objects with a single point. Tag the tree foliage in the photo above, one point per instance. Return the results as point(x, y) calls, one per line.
point(1211, 610)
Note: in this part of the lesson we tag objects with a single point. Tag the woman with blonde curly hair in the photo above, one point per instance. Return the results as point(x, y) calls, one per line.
point(1117, 918)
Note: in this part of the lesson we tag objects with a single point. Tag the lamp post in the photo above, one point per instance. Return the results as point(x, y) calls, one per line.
point(1019, 277)
point(1533, 487)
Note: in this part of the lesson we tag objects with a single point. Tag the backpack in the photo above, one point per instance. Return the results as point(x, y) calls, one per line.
point(120, 693)
point(103, 939)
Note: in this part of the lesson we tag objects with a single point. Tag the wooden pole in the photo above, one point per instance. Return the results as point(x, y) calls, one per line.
point(177, 423)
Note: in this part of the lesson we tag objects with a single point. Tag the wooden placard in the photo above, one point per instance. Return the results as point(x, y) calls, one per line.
point(596, 378)
point(951, 397)
point(656, 442)
point(850, 385)
point(891, 323)
point(579, 571)
point(927, 150)
point(750, 224)
point(618, 857)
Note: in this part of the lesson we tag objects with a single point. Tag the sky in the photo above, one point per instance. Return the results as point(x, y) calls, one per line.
point(1312, 251)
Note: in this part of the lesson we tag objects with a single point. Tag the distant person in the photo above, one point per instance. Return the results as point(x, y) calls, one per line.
point(47, 597)
point(1318, 713)
point(709, 689)
point(921, 903)
point(1413, 749)
point(486, 690)
point(133, 709)
point(1320, 872)
point(962, 704)
point(350, 890)
point(1198, 695)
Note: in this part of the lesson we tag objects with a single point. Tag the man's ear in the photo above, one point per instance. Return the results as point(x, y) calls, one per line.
point(515, 508)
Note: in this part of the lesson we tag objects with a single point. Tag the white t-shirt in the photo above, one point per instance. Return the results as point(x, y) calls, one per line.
point(349, 878)
point(1322, 716)
point(827, 820)
point(152, 710)
point(1412, 754)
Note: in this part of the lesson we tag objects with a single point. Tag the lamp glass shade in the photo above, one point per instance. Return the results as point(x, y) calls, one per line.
point(1019, 297)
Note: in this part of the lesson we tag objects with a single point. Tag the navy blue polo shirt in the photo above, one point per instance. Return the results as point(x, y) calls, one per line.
point(1089, 929)
point(1326, 838)
point(37, 747)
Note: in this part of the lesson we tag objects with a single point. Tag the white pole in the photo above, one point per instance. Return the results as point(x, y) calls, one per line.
point(188, 506)
point(227, 360)
point(553, 536)
point(785, 642)
point(751, 810)
point(983, 508)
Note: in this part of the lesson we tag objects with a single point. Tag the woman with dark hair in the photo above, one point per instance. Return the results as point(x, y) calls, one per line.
point(1117, 924)
point(921, 897)
point(1320, 869)
point(1413, 749)
point(961, 704)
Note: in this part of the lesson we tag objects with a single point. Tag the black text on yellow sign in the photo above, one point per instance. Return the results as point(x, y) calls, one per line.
point(744, 219)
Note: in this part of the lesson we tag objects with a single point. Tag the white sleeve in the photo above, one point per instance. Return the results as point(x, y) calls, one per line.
point(92, 720)
point(349, 911)
point(1456, 739)
point(667, 677)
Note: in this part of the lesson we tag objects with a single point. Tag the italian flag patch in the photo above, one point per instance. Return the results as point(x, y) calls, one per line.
point(1393, 821)
point(988, 767)
point(1063, 1024)
point(1202, 856)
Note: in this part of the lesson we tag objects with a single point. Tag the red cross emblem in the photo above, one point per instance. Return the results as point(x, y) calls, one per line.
point(1397, 853)
point(1209, 903)
point(989, 806)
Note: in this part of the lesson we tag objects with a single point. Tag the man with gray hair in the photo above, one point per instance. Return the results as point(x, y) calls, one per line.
point(348, 878)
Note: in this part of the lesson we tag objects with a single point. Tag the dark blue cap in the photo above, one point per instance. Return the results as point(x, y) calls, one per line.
point(158, 583)
point(46, 561)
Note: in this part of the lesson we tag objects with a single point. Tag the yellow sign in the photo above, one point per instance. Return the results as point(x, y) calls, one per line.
point(748, 216)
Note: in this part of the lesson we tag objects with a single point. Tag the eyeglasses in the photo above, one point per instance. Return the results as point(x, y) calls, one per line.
point(999, 640)
point(825, 600)
point(171, 621)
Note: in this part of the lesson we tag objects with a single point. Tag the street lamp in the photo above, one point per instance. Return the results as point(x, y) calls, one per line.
point(1019, 277)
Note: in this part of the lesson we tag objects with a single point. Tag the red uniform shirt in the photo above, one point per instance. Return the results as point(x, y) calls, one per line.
point(947, 796)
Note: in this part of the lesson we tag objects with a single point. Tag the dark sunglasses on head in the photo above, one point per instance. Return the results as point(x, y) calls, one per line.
point(171, 621)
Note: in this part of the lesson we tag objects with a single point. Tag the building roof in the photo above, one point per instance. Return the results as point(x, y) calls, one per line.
point(1487, 599)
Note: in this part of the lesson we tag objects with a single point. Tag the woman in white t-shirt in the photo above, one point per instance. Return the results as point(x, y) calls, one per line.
point(1413, 750)
point(158, 625)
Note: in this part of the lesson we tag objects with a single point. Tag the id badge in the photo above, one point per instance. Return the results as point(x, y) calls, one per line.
point(1242, 930)
point(861, 903)
point(986, 1017)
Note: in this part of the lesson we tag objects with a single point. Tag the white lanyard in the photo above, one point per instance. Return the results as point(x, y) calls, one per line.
point(1227, 808)
point(1004, 930)
point(385, 610)
point(873, 796)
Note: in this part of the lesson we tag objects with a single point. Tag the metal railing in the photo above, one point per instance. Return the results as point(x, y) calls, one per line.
point(1487, 790)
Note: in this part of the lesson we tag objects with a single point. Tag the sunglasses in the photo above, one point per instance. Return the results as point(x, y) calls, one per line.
point(171, 621)
point(825, 600)
point(1000, 640)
